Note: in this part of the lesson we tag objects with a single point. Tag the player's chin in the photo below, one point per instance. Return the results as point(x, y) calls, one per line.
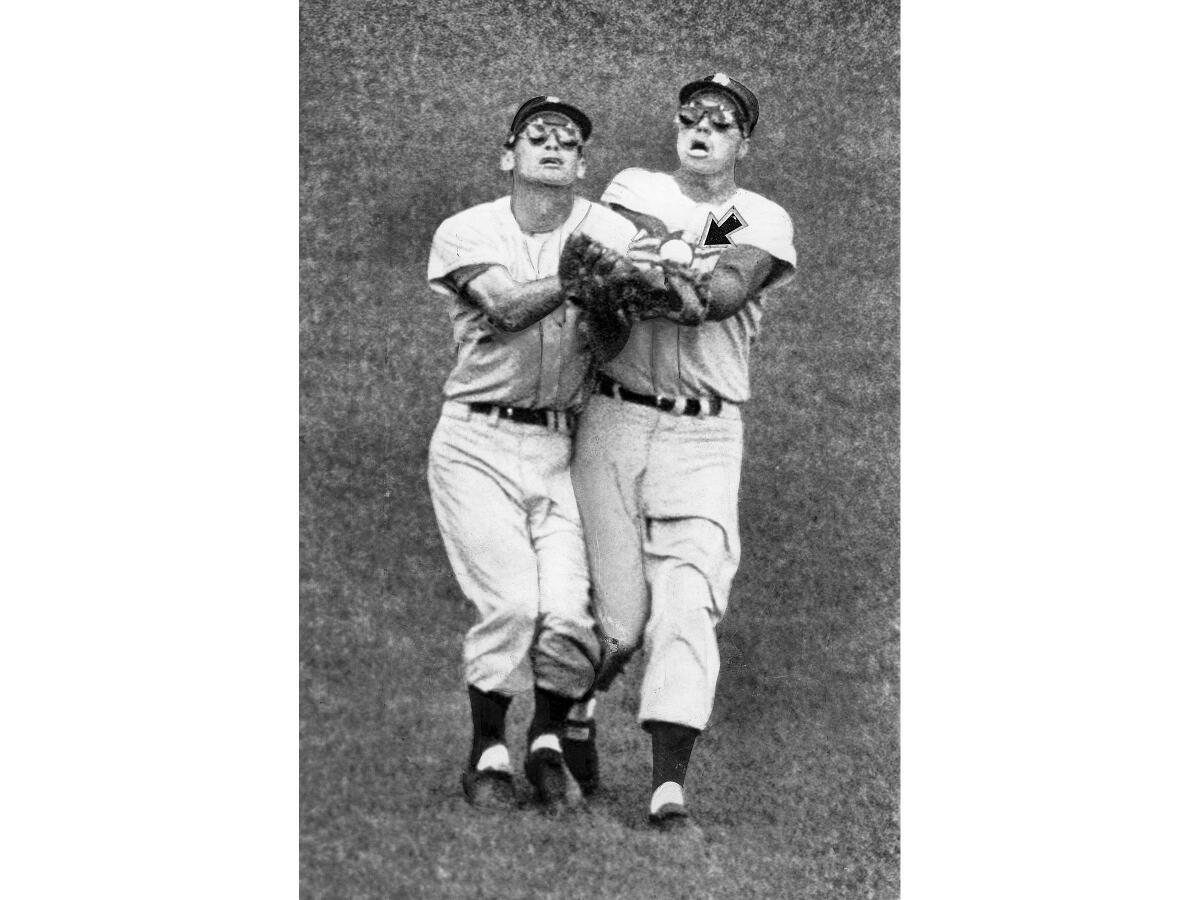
point(555, 177)
point(704, 164)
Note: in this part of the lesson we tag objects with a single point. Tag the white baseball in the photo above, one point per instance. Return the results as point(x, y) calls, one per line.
point(676, 250)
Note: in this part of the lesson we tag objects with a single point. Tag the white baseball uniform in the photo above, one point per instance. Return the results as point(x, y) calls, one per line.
point(500, 481)
point(658, 490)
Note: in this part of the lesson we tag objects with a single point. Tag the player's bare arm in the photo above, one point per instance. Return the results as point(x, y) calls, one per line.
point(510, 306)
point(738, 276)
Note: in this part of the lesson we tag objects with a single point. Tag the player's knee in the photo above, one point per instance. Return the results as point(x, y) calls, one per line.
point(693, 615)
point(570, 639)
point(679, 591)
point(691, 588)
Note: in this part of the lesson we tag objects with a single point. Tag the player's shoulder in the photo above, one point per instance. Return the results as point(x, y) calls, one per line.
point(637, 173)
point(764, 206)
point(640, 183)
point(604, 224)
point(595, 212)
point(488, 214)
point(637, 178)
point(642, 191)
point(769, 226)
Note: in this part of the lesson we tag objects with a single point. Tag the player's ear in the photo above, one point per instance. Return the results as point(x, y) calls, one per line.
point(581, 169)
point(744, 148)
point(508, 160)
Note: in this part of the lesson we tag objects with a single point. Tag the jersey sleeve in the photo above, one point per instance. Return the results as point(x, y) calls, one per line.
point(463, 241)
point(771, 230)
point(609, 228)
point(628, 189)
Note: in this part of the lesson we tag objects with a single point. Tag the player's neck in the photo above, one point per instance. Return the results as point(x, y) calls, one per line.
point(715, 187)
point(539, 207)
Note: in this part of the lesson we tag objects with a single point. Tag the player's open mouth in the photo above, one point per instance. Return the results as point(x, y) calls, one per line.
point(698, 148)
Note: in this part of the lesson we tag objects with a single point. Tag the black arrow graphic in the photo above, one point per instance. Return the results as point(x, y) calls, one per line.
point(717, 233)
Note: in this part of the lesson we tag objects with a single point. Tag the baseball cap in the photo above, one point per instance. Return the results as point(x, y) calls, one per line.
point(535, 105)
point(741, 95)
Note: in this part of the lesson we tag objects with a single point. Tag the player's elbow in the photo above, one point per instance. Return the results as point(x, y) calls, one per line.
point(502, 316)
point(506, 322)
point(508, 319)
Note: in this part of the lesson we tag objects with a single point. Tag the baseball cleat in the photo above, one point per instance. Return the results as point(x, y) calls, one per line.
point(673, 817)
point(489, 789)
point(553, 785)
point(580, 754)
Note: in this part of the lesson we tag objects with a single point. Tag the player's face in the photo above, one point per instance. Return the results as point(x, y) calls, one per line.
point(708, 138)
point(549, 150)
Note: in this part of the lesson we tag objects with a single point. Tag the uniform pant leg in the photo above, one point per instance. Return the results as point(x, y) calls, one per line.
point(682, 661)
point(566, 650)
point(610, 452)
point(484, 528)
point(692, 552)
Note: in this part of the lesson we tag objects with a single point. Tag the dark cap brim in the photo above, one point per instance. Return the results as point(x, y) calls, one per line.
point(532, 108)
point(747, 106)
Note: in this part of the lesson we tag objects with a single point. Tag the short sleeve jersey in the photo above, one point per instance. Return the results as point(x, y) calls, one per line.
point(713, 358)
point(545, 365)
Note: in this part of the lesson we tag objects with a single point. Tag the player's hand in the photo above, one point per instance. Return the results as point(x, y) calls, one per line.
point(693, 302)
point(653, 255)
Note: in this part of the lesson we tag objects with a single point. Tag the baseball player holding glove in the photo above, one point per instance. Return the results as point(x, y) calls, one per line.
point(658, 452)
point(499, 457)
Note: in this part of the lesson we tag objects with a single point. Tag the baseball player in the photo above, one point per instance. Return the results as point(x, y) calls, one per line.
point(499, 457)
point(659, 448)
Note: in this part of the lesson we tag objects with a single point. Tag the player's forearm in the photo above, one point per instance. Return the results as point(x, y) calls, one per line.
point(728, 293)
point(724, 293)
point(738, 276)
point(516, 307)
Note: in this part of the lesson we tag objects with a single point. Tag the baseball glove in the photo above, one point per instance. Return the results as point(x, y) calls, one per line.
point(608, 289)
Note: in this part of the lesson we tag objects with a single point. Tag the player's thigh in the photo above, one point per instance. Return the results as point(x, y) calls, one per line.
point(620, 594)
point(613, 536)
point(482, 521)
point(557, 535)
point(562, 558)
point(695, 471)
point(611, 449)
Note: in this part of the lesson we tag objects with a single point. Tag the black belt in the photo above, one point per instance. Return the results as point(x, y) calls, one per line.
point(549, 418)
point(678, 405)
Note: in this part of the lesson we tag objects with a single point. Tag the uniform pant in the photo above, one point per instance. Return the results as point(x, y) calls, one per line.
point(507, 514)
point(658, 496)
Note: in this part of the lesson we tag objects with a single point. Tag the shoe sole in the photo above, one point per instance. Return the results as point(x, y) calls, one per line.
point(675, 820)
point(492, 794)
point(554, 787)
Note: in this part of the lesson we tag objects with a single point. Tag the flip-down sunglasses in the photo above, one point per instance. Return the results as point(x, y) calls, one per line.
point(722, 118)
point(538, 131)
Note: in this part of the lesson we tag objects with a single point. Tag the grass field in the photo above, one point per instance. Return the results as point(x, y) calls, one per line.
point(796, 783)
